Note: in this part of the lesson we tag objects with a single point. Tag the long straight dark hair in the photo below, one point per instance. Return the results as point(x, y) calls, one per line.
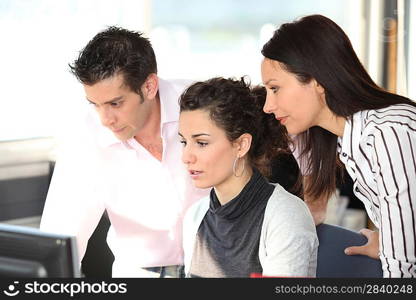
point(314, 47)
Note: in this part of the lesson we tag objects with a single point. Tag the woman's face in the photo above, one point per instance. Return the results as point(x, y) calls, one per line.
point(298, 106)
point(207, 153)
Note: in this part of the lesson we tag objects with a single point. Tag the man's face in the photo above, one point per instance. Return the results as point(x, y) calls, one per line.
point(120, 109)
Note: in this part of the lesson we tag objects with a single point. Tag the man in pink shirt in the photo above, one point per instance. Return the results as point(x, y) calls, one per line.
point(124, 158)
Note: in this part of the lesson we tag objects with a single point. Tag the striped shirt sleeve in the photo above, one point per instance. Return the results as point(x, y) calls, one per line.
point(393, 157)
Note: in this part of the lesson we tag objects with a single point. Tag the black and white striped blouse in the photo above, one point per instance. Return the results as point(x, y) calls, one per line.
point(378, 149)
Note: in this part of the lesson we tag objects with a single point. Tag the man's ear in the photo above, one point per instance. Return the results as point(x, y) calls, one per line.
point(151, 86)
point(243, 144)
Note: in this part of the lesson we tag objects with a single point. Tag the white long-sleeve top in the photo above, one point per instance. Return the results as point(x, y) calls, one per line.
point(378, 149)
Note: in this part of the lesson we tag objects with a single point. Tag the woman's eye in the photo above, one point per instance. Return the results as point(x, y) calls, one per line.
point(183, 143)
point(202, 144)
point(274, 90)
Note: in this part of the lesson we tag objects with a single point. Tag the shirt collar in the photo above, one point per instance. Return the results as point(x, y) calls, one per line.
point(349, 143)
point(169, 111)
point(169, 106)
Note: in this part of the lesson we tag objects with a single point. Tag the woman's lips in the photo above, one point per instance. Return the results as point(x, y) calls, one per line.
point(282, 120)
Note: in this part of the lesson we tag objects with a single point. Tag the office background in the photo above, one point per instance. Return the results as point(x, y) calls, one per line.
point(40, 100)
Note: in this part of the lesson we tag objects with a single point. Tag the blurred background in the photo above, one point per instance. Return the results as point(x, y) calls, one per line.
point(40, 100)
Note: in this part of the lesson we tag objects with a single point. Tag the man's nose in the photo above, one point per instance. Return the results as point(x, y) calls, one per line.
point(107, 117)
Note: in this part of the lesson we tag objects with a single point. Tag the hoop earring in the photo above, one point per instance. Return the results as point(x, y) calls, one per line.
point(234, 164)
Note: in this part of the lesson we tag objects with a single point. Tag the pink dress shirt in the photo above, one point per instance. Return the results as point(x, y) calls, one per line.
point(145, 198)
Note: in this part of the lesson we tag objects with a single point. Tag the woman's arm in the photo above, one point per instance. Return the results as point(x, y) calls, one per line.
point(394, 165)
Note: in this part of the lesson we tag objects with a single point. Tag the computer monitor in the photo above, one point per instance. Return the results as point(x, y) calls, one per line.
point(31, 253)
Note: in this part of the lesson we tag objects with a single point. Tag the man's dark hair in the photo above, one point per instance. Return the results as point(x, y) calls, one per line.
point(116, 51)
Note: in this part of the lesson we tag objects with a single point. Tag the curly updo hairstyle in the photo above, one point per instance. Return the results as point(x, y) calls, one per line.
point(237, 108)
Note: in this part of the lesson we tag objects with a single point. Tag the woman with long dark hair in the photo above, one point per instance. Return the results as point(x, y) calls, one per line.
point(318, 89)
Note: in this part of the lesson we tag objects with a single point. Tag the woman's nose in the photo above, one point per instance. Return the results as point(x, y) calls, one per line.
point(187, 156)
point(268, 106)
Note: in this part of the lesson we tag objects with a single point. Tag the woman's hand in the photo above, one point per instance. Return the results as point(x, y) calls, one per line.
point(371, 248)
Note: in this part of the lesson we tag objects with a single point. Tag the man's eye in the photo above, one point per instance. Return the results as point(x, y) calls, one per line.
point(183, 143)
point(116, 104)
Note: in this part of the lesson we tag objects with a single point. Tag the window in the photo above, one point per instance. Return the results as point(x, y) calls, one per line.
point(39, 38)
point(227, 42)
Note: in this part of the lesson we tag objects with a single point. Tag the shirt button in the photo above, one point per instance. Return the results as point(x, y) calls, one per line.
point(344, 154)
point(357, 189)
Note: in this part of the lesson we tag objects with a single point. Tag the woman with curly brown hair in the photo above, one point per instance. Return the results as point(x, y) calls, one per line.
point(246, 225)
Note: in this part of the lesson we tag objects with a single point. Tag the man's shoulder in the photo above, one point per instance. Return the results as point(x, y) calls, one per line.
point(169, 92)
point(174, 86)
point(177, 82)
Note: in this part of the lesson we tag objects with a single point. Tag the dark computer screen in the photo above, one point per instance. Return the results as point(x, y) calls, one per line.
point(31, 253)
